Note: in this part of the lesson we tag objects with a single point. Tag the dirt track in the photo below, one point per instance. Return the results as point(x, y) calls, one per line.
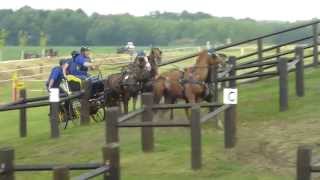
point(273, 145)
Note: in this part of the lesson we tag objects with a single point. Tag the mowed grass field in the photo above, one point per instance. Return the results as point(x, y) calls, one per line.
point(14, 52)
point(267, 139)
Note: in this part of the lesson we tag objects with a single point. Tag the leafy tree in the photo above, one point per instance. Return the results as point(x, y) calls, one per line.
point(75, 27)
point(43, 42)
point(3, 37)
point(23, 41)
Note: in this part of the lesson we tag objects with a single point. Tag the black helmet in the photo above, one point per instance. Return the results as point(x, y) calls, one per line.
point(74, 53)
point(62, 61)
point(84, 48)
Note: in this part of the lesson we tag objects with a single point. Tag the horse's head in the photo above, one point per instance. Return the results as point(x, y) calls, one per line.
point(129, 81)
point(141, 60)
point(222, 60)
point(215, 59)
point(156, 55)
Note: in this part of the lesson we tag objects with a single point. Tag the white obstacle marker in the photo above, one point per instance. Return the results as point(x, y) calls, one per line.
point(230, 96)
point(54, 95)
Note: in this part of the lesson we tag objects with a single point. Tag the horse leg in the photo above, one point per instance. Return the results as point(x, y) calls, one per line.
point(120, 107)
point(134, 102)
point(125, 105)
point(156, 100)
point(190, 98)
point(187, 112)
point(173, 101)
point(167, 100)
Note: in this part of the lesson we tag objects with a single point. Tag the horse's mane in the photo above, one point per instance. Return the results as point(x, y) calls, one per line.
point(202, 56)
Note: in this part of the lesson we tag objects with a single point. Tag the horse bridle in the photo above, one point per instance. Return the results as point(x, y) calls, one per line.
point(124, 76)
point(156, 58)
point(183, 81)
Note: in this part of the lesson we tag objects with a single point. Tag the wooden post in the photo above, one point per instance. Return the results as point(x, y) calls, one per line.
point(213, 85)
point(41, 68)
point(278, 51)
point(23, 115)
point(299, 71)
point(61, 173)
point(196, 152)
point(283, 83)
point(223, 84)
point(214, 91)
point(111, 119)
point(147, 134)
point(303, 170)
point(232, 61)
point(54, 118)
point(111, 152)
point(260, 53)
point(7, 164)
point(315, 43)
point(230, 127)
point(85, 105)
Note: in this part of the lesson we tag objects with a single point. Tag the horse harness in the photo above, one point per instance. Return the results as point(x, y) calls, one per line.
point(184, 81)
point(203, 83)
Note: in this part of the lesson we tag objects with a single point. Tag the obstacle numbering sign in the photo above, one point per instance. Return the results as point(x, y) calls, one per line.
point(230, 96)
point(54, 95)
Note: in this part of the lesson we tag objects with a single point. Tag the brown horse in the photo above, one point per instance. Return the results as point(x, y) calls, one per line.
point(189, 84)
point(147, 75)
point(148, 64)
point(120, 87)
point(133, 79)
point(155, 55)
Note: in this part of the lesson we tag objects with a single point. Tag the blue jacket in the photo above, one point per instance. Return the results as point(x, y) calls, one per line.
point(56, 75)
point(77, 68)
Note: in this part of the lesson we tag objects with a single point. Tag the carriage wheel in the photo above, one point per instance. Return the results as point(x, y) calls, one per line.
point(74, 109)
point(73, 115)
point(63, 118)
point(99, 115)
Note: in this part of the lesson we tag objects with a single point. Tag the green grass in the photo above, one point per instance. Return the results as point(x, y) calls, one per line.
point(14, 52)
point(259, 122)
point(263, 146)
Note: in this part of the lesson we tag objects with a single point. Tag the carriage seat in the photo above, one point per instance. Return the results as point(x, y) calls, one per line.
point(75, 84)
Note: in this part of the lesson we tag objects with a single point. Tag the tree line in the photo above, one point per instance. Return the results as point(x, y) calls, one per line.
point(75, 27)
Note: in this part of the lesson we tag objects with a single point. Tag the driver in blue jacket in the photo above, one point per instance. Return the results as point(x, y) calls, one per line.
point(81, 64)
point(56, 76)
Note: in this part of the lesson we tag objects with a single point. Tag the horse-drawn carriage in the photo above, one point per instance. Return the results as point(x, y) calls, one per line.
point(70, 110)
point(116, 88)
point(192, 84)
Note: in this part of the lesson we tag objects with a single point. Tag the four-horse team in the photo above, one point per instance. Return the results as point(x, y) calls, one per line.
point(142, 75)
